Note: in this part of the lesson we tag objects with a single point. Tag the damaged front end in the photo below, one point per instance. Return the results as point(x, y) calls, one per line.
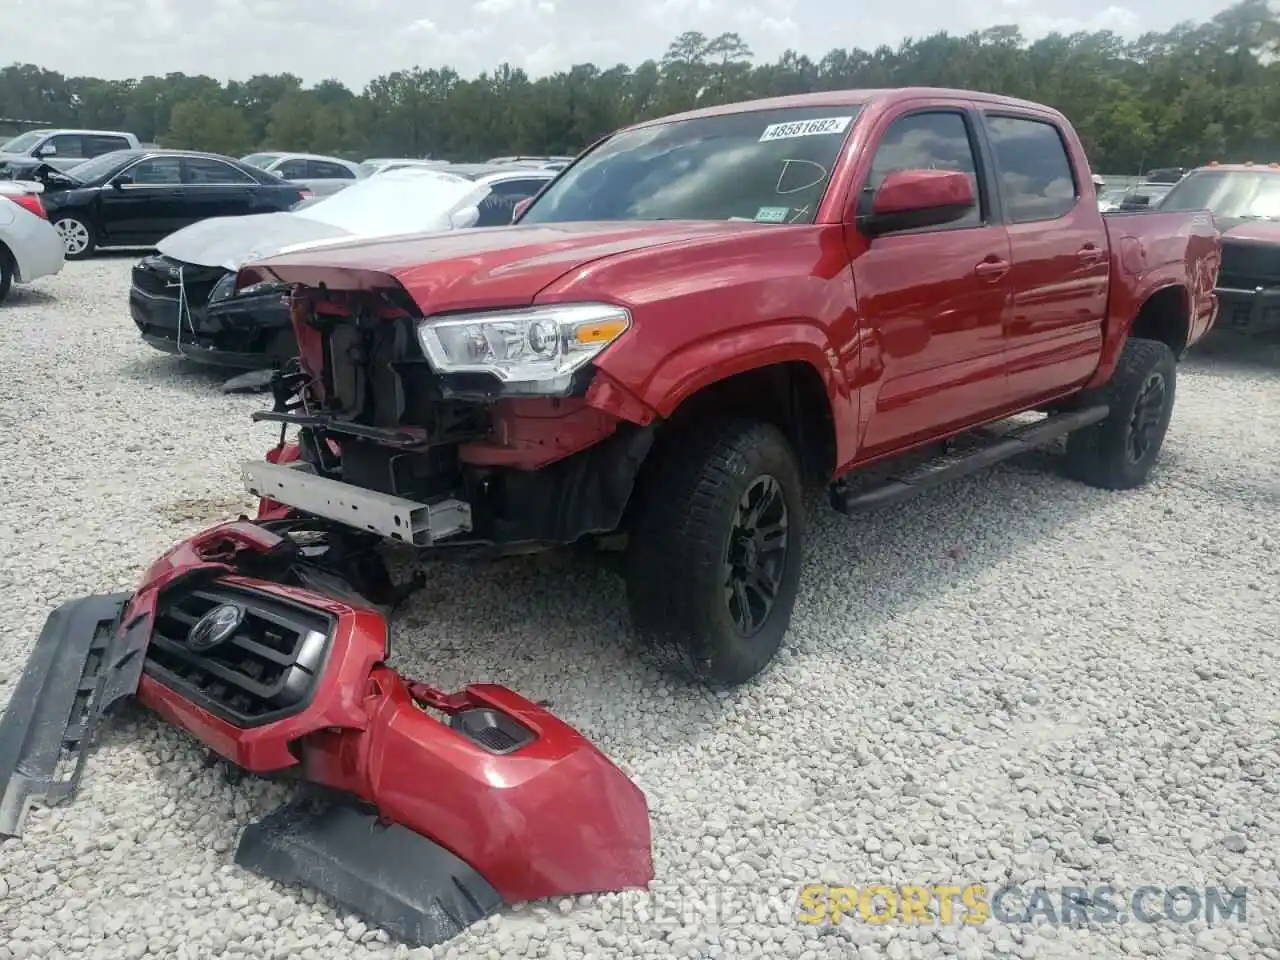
point(428, 810)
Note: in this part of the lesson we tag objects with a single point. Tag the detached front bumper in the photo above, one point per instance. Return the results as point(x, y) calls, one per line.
point(1253, 311)
point(247, 333)
point(447, 805)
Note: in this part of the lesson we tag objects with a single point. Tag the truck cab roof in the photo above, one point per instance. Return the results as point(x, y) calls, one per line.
point(880, 97)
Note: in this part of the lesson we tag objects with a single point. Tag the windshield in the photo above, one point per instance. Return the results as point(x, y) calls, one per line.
point(770, 166)
point(99, 166)
point(1230, 194)
point(22, 143)
point(404, 201)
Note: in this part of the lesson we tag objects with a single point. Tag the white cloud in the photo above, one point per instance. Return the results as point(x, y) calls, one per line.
point(356, 40)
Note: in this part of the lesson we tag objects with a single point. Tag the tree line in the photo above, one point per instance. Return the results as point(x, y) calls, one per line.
point(1197, 92)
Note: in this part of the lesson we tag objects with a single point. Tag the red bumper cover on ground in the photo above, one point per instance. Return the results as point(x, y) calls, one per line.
point(297, 684)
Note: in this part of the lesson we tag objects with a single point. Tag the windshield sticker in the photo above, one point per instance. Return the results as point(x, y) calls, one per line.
point(772, 214)
point(823, 126)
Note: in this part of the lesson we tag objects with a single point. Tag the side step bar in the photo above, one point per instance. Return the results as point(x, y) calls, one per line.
point(995, 448)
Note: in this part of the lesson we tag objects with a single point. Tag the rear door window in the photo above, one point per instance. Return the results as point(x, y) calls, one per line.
point(206, 171)
point(1033, 168)
point(156, 171)
point(320, 170)
point(96, 146)
point(291, 169)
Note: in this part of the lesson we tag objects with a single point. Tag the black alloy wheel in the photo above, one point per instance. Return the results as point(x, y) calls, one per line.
point(756, 554)
point(1146, 422)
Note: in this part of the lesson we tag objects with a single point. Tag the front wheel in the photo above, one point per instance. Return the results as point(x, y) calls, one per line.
point(713, 563)
point(77, 237)
point(1118, 453)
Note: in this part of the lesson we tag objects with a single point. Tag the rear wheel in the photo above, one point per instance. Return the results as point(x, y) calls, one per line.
point(713, 563)
point(1118, 453)
point(77, 237)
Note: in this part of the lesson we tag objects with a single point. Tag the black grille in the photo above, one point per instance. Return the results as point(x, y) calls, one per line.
point(1238, 314)
point(266, 670)
point(154, 281)
point(1246, 265)
point(153, 276)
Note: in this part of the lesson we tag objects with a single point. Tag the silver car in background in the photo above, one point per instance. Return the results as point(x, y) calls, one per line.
point(319, 174)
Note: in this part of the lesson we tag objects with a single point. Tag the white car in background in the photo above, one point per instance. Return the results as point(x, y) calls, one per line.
point(30, 247)
point(183, 297)
point(378, 165)
point(319, 174)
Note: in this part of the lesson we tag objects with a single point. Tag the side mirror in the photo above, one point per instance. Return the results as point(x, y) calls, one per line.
point(47, 150)
point(124, 180)
point(910, 199)
point(464, 218)
point(1139, 202)
point(518, 210)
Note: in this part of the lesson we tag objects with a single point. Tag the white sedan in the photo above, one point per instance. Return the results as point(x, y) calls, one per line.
point(30, 247)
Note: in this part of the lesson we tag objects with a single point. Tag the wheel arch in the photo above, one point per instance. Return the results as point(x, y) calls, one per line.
point(789, 394)
point(1162, 314)
point(1165, 316)
point(784, 372)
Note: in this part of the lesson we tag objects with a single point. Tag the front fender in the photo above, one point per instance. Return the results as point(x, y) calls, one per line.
point(681, 374)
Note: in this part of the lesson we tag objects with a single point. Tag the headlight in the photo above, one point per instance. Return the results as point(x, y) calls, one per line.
point(225, 286)
point(255, 289)
point(530, 351)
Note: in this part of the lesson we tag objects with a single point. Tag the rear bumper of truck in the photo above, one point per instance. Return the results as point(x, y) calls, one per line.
point(435, 808)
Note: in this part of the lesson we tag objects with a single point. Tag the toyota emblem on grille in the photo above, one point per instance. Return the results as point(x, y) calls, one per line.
point(215, 627)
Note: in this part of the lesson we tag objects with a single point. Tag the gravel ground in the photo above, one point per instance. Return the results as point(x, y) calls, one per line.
point(1015, 679)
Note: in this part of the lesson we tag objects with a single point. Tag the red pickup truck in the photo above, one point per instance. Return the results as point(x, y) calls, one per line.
point(705, 313)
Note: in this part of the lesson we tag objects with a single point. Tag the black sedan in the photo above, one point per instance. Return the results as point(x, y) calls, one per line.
point(133, 198)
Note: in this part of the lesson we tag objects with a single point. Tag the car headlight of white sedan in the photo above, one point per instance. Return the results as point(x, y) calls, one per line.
point(531, 351)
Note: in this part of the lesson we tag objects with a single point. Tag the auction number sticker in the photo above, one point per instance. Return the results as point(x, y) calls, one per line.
point(821, 127)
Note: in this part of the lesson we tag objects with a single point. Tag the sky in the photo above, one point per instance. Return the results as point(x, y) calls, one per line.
point(356, 40)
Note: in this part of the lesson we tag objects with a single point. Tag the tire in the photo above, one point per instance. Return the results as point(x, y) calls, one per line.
point(77, 237)
point(6, 272)
point(692, 501)
point(1118, 453)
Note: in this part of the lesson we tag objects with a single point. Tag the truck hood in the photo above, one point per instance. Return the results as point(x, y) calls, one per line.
point(488, 267)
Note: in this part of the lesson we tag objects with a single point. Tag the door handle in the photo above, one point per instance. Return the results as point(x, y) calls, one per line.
point(991, 269)
point(1089, 253)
